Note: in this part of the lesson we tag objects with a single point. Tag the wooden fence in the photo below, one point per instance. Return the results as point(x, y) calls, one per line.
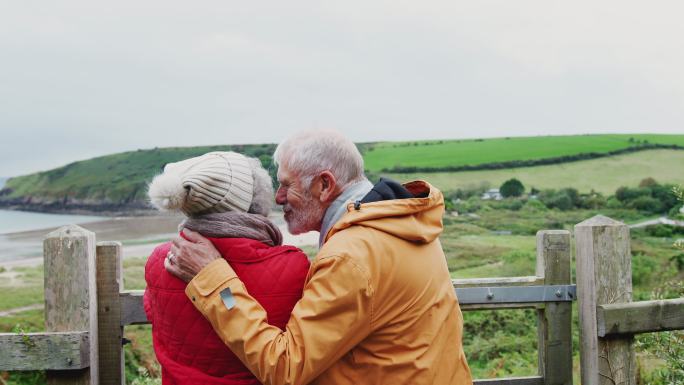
point(86, 308)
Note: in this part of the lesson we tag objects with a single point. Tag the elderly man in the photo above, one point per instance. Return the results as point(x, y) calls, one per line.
point(378, 306)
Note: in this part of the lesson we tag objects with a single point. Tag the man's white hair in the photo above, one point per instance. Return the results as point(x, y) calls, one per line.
point(307, 153)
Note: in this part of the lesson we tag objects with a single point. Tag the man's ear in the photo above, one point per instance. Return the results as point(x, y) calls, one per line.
point(328, 186)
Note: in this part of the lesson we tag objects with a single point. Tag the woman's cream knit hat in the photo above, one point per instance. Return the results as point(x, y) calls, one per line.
point(211, 183)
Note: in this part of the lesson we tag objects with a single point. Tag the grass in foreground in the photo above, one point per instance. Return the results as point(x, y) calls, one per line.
point(25, 288)
point(497, 343)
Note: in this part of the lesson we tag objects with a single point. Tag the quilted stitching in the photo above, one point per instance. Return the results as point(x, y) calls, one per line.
point(185, 343)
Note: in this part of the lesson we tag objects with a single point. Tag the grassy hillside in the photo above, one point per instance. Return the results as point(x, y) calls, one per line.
point(604, 175)
point(118, 182)
point(454, 153)
point(118, 178)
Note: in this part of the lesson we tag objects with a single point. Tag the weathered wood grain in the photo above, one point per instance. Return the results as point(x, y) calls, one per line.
point(604, 276)
point(132, 311)
point(44, 351)
point(555, 320)
point(109, 284)
point(640, 317)
point(70, 295)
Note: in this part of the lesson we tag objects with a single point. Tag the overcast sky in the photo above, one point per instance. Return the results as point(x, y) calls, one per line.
point(85, 78)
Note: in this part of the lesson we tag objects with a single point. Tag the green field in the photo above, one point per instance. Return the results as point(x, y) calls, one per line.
point(453, 153)
point(604, 175)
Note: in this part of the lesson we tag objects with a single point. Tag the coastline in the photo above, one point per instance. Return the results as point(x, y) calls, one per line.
point(70, 208)
point(139, 236)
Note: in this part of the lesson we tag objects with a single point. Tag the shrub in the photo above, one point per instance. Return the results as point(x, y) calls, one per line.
point(674, 212)
point(556, 199)
point(645, 197)
point(647, 182)
point(665, 345)
point(449, 205)
point(546, 195)
point(573, 194)
point(664, 194)
point(470, 191)
point(534, 205)
point(647, 203)
point(678, 261)
point(613, 203)
point(512, 188)
point(660, 231)
point(643, 267)
point(592, 201)
point(624, 194)
point(470, 205)
point(516, 205)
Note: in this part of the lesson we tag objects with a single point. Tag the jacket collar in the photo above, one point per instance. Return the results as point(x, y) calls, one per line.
point(413, 219)
point(337, 209)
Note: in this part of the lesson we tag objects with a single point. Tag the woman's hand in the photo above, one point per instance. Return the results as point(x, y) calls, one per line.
point(189, 256)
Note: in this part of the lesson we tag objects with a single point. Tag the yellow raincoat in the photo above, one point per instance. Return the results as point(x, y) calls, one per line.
point(378, 306)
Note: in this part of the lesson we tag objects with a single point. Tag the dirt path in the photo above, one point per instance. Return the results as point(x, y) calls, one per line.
point(657, 221)
point(22, 309)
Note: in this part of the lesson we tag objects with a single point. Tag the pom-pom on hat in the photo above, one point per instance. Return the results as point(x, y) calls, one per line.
point(215, 182)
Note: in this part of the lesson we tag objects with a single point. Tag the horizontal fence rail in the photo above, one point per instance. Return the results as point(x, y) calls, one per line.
point(44, 351)
point(640, 317)
point(515, 295)
point(132, 312)
point(532, 380)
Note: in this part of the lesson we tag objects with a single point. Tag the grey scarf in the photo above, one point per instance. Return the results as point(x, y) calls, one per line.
point(233, 224)
point(339, 207)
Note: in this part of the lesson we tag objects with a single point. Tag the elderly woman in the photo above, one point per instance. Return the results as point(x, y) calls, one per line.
point(226, 198)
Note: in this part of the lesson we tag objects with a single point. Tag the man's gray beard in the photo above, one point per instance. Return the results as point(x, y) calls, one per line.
point(305, 220)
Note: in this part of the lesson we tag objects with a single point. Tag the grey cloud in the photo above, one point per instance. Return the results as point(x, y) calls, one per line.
point(82, 78)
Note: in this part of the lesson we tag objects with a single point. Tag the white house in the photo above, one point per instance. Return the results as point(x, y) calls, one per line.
point(492, 194)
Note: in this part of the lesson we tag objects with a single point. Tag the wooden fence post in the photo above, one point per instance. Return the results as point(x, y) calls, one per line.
point(110, 331)
point(70, 295)
point(555, 320)
point(604, 276)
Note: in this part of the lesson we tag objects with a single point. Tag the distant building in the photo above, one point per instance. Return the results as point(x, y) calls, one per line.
point(492, 194)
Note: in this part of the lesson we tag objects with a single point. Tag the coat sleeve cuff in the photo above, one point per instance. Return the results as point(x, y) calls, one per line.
point(212, 277)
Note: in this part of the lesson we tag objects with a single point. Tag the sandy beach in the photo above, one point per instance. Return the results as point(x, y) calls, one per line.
point(139, 236)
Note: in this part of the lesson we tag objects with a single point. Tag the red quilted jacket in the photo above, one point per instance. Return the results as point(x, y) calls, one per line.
point(184, 342)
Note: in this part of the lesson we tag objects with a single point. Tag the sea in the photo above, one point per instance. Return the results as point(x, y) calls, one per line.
point(15, 240)
point(19, 221)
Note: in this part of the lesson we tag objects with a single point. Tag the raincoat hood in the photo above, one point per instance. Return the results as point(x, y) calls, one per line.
point(412, 211)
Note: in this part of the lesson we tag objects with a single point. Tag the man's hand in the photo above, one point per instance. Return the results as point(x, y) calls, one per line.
point(187, 257)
